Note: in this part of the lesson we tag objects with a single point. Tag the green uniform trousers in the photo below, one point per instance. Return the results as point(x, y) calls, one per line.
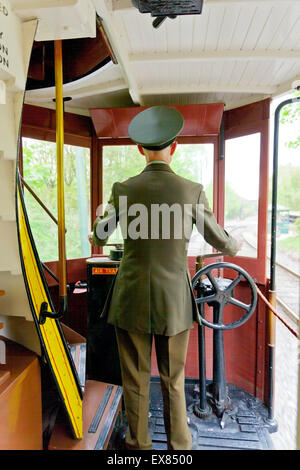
point(135, 360)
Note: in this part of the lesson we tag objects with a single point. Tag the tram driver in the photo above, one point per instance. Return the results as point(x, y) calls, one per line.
point(152, 293)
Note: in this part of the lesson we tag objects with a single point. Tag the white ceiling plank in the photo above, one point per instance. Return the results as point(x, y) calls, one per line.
point(200, 29)
point(173, 34)
point(218, 71)
point(187, 33)
point(216, 18)
point(228, 27)
point(239, 77)
point(230, 100)
point(159, 40)
point(121, 5)
point(293, 37)
point(138, 37)
point(286, 73)
point(256, 74)
point(282, 33)
point(259, 20)
point(215, 55)
point(207, 88)
point(243, 24)
point(277, 13)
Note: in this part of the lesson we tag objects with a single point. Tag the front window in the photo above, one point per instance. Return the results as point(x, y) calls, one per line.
point(39, 170)
point(191, 161)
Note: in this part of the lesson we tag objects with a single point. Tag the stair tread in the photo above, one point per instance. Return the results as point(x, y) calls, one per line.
point(101, 405)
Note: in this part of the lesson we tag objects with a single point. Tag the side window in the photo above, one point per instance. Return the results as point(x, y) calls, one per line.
point(196, 162)
point(242, 193)
point(39, 168)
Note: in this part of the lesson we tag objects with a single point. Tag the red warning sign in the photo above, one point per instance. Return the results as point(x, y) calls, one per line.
point(104, 270)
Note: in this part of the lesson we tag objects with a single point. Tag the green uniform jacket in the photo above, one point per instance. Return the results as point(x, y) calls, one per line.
point(152, 290)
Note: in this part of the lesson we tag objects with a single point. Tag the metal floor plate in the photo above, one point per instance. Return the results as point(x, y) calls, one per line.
point(247, 430)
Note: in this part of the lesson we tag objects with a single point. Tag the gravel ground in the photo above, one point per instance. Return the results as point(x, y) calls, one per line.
point(286, 387)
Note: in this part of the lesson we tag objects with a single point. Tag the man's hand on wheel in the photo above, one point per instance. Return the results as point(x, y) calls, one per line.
point(90, 237)
point(240, 241)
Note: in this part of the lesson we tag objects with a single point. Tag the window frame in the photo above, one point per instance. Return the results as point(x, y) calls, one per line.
point(39, 123)
point(256, 266)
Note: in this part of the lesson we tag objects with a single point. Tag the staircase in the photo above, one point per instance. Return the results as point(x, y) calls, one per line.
point(15, 314)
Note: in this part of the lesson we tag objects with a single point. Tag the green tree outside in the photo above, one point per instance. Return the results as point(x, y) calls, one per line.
point(39, 163)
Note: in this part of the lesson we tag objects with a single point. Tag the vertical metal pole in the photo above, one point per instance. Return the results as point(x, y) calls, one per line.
point(201, 350)
point(219, 375)
point(62, 269)
point(298, 420)
point(202, 369)
point(202, 410)
point(272, 290)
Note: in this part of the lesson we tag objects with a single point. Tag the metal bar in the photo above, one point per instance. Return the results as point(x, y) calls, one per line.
point(109, 419)
point(298, 412)
point(272, 290)
point(202, 368)
point(272, 309)
point(275, 189)
point(100, 410)
point(99, 23)
point(50, 272)
point(39, 201)
point(62, 269)
point(201, 351)
point(219, 375)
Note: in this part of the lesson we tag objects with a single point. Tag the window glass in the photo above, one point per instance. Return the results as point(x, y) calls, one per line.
point(191, 161)
point(39, 166)
point(242, 190)
point(196, 162)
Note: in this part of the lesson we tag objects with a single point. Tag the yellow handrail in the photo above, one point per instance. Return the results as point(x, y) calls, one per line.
point(62, 270)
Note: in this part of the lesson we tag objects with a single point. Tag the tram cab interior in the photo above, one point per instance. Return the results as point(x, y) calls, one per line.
point(72, 77)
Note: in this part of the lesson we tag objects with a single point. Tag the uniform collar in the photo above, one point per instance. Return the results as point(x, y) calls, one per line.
point(158, 166)
point(156, 161)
